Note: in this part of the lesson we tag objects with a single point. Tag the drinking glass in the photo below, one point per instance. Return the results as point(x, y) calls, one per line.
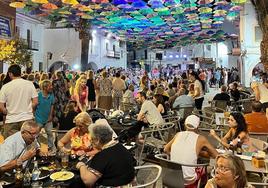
point(64, 160)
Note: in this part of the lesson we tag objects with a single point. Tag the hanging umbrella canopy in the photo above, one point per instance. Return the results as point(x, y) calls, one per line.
point(151, 23)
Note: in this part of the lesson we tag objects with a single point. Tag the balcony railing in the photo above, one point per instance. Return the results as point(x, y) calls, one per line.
point(113, 54)
point(32, 45)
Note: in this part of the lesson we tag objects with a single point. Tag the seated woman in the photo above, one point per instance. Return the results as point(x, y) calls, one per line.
point(67, 119)
point(112, 166)
point(238, 130)
point(229, 173)
point(160, 104)
point(78, 137)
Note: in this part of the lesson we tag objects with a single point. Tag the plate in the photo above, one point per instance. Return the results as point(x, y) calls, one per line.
point(4, 183)
point(44, 174)
point(62, 176)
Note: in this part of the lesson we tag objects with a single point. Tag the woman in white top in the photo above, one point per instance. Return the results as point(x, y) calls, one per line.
point(199, 88)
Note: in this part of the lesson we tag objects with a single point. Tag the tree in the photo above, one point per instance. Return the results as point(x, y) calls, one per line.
point(15, 51)
point(261, 7)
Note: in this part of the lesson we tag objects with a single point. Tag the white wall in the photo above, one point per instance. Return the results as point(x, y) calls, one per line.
point(64, 44)
point(247, 31)
point(37, 31)
point(98, 54)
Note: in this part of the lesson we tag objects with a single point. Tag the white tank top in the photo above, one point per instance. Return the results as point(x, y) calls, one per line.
point(183, 150)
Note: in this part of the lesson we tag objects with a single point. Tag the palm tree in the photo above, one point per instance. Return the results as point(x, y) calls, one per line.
point(261, 7)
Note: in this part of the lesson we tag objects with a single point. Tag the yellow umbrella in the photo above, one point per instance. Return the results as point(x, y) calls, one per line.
point(85, 9)
point(17, 5)
point(239, 1)
point(86, 16)
point(65, 12)
point(70, 2)
point(95, 6)
point(40, 1)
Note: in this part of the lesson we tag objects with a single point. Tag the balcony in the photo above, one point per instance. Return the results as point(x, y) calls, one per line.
point(113, 54)
point(32, 45)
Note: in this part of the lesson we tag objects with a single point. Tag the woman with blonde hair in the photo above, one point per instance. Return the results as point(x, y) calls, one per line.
point(78, 137)
point(229, 173)
point(81, 93)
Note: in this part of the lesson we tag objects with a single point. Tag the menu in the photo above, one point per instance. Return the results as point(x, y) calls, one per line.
point(5, 29)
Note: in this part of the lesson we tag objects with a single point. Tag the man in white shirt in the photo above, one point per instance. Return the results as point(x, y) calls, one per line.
point(18, 147)
point(186, 146)
point(17, 100)
point(148, 112)
point(118, 89)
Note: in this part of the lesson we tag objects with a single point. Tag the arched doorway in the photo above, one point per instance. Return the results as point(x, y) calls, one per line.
point(93, 66)
point(58, 65)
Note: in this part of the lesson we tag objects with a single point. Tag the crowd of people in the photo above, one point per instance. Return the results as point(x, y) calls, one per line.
point(30, 102)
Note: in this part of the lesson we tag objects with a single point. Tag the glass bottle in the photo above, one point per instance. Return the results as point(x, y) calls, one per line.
point(27, 178)
point(36, 172)
point(239, 147)
point(18, 174)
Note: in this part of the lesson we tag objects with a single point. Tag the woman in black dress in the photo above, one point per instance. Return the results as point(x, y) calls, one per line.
point(91, 89)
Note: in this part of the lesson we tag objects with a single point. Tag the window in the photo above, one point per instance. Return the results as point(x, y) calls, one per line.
point(29, 38)
point(40, 66)
point(17, 31)
point(258, 34)
point(107, 46)
point(122, 53)
point(114, 48)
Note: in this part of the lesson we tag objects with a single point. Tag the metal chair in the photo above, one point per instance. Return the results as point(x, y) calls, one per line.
point(259, 136)
point(153, 181)
point(258, 184)
point(219, 105)
point(172, 176)
point(258, 144)
point(150, 138)
point(207, 118)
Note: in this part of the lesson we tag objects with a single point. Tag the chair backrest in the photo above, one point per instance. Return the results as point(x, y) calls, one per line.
point(206, 133)
point(259, 136)
point(258, 144)
point(184, 112)
point(172, 175)
point(258, 184)
point(219, 105)
point(154, 180)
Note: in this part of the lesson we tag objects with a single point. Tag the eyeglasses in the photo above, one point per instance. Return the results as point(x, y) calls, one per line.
point(32, 134)
point(222, 169)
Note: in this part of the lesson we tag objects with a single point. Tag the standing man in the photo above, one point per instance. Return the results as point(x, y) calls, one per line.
point(18, 98)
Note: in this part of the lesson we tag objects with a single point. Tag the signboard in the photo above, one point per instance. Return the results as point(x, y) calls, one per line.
point(5, 29)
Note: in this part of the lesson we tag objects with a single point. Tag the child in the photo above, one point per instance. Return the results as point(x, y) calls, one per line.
point(71, 110)
point(44, 111)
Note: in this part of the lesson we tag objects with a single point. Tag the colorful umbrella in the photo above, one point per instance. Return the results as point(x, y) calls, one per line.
point(17, 4)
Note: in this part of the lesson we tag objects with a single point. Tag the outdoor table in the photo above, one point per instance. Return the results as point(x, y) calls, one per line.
point(47, 182)
point(248, 165)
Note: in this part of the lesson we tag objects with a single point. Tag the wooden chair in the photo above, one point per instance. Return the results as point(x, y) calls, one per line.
point(172, 176)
